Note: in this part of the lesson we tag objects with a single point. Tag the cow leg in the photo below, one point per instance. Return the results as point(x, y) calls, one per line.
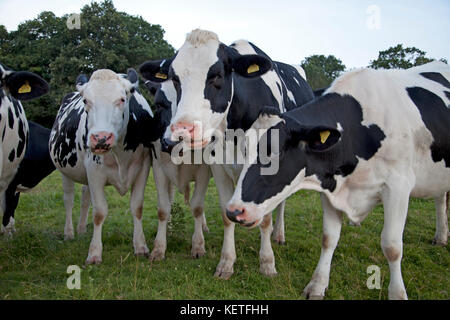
point(136, 205)
point(69, 193)
point(84, 209)
point(441, 235)
point(197, 204)
point(395, 203)
point(278, 233)
point(164, 192)
point(99, 213)
point(266, 257)
point(9, 203)
point(225, 188)
point(332, 223)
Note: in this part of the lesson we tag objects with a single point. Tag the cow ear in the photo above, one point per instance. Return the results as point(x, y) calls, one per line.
point(24, 85)
point(81, 81)
point(156, 70)
point(132, 76)
point(318, 138)
point(251, 65)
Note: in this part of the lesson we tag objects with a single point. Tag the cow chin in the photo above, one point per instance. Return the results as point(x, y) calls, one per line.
point(99, 151)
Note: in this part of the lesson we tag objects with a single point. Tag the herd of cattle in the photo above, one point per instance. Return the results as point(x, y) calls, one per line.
point(373, 136)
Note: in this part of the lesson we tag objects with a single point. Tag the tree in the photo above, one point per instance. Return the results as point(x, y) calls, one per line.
point(107, 39)
point(321, 70)
point(399, 57)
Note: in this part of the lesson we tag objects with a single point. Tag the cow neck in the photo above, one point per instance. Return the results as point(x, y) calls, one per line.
point(120, 147)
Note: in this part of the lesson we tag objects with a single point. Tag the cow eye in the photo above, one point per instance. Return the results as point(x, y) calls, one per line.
point(216, 81)
point(85, 101)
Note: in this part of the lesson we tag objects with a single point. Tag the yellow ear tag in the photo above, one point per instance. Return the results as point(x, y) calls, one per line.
point(161, 76)
point(253, 68)
point(324, 136)
point(25, 88)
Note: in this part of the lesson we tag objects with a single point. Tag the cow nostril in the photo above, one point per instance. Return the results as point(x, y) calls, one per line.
point(233, 215)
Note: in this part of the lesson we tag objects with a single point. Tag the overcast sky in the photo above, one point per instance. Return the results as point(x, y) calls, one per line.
point(287, 30)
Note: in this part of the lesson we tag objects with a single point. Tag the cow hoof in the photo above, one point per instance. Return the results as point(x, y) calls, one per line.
point(313, 291)
point(223, 275)
point(156, 255)
point(279, 239)
point(198, 252)
point(94, 260)
point(69, 236)
point(142, 252)
point(268, 269)
point(439, 242)
point(81, 230)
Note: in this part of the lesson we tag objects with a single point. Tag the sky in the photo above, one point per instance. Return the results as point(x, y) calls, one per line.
point(287, 30)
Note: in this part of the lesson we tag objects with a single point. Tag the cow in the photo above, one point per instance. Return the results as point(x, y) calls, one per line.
point(373, 136)
point(15, 86)
point(102, 136)
point(222, 87)
point(168, 175)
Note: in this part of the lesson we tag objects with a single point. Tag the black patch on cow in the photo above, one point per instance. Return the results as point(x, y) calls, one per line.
point(447, 94)
point(163, 113)
point(341, 159)
point(294, 82)
point(22, 138)
point(140, 129)
point(35, 166)
point(12, 155)
point(10, 118)
point(436, 116)
point(436, 77)
point(218, 84)
point(4, 132)
point(65, 152)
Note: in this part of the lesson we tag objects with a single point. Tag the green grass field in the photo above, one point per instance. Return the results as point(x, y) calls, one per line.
point(33, 264)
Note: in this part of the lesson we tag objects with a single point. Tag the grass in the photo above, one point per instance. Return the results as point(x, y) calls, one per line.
point(34, 262)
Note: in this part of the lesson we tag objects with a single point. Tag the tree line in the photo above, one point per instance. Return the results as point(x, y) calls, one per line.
point(116, 40)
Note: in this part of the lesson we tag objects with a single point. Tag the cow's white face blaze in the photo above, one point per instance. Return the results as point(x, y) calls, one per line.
point(106, 98)
point(202, 73)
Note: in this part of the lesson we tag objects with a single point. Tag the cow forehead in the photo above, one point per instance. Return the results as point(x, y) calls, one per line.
point(106, 90)
point(195, 59)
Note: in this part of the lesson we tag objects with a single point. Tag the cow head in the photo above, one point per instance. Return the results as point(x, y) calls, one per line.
point(299, 146)
point(202, 74)
point(106, 96)
point(22, 85)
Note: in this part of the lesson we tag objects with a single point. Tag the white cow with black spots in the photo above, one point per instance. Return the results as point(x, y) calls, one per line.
point(15, 86)
point(102, 136)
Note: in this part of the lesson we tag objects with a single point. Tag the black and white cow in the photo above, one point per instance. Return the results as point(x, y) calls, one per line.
point(375, 135)
point(35, 166)
point(223, 87)
point(14, 86)
point(168, 175)
point(101, 136)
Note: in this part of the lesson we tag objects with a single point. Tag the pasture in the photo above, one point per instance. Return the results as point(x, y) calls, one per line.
point(33, 263)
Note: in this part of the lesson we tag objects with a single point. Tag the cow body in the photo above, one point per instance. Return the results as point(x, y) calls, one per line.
point(99, 149)
point(373, 136)
point(168, 176)
point(15, 86)
point(223, 87)
point(35, 166)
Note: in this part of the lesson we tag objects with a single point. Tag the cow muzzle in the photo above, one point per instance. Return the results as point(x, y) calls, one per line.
point(189, 133)
point(101, 142)
point(240, 215)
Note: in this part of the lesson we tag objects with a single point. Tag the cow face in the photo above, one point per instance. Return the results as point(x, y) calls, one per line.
point(298, 146)
point(106, 98)
point(202, 73)
point(22, 85)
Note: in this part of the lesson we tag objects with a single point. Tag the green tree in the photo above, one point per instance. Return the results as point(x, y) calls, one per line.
point(399, 57)
point(107, 39)
point(321, 70)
